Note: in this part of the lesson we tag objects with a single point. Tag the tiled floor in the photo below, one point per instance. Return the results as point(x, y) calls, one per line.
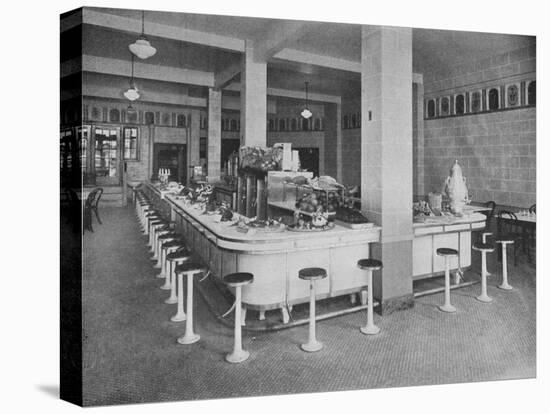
point(131, 354)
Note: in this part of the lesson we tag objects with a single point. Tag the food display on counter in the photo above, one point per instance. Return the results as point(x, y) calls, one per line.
point(221, 210)
point(318, 222)
point(257, 159)
point(350, 215)
point(245, 225)
point(314, 202)
point(422, 209)
point(171, 186)
point(351, 218)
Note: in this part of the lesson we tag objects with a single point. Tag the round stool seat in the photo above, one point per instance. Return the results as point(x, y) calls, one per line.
point(238, 279)
point(371, 264)
point(169, 235)
point(173, 243)
point(179, 254)
point(190, 266)
point(446, 251)
point(484, 247)
point(506, 238)
point(312, 273)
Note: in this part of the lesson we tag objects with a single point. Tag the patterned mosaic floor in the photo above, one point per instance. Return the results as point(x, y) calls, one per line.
point(131, 354)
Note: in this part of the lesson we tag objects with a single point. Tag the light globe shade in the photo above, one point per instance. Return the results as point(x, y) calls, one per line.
point(132, 94)
point(142, 48)
point(306, 113)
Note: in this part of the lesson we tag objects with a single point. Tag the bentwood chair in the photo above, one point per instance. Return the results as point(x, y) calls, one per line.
point(509, 228)
point(487, 231)
point(92, 202)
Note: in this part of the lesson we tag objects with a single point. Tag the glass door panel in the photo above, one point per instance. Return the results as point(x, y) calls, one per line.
point(83, 135)
point(106, 156)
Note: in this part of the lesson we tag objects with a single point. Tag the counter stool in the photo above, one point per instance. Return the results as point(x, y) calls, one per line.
point(167, 245)
point(150, 218)
point(155, 226)
point(369, 265)
point(447, 253)
point(189, 269)
point(143, 207)
point(484, 236)
point(312, 274)
point(484, 248)
point(237, 281)
point(504, 242)
point(164, 231)
point(181, 255)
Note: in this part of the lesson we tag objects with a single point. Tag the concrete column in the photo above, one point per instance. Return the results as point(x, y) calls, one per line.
point(418, 136)
point(253, 99)
point(193, 142)
point(214, 134)
point(386, 154)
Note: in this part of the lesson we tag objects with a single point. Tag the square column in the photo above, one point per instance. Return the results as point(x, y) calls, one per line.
point(386, 157)
point(339, 174)
point(214, 134)
point(253, 99)
point(193, 141)
point(418, 135)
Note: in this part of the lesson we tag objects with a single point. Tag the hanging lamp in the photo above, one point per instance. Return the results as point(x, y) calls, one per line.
point(132, 93)
point(141, 47)
point(306, 113)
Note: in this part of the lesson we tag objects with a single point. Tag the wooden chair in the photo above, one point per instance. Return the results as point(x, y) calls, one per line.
point(92, 202)
point(487, 231)
point(509, 227)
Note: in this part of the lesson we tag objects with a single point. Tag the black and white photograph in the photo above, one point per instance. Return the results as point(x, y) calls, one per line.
point(263, 207)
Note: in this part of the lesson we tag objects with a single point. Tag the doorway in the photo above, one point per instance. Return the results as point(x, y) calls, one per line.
point(309, 159)
point(172, 157)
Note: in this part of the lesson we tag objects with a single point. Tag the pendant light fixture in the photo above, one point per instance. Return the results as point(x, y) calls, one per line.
point(306, 113)
point(141, 47)
point(132, 93)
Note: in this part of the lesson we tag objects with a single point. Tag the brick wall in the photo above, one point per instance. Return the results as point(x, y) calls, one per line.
point(497, 150)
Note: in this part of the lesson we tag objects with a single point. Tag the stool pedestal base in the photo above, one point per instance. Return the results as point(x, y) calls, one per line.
point(313, 346)
point(447, 308)
point(236, 357)
point(484, 298)
point(370, 330)
point(505, 286)
point(178, 318)
point(171, 301)
point(188, 339)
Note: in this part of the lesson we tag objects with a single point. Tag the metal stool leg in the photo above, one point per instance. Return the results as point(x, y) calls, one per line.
point(172, 276)
point(370, 328)
point(484, 297)
point(447, 307)
point(180, 314)
point(163, 273)
point(312, 344)
point(189, 337)
point(238, 354)
point(504, 285)
point(484, 240)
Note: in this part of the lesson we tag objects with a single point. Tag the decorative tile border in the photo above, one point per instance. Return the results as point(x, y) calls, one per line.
point(510, 95)
point(351, 120)
point(297, 124)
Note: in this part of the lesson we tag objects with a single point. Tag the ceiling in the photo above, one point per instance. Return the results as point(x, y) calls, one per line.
point(439, 49)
